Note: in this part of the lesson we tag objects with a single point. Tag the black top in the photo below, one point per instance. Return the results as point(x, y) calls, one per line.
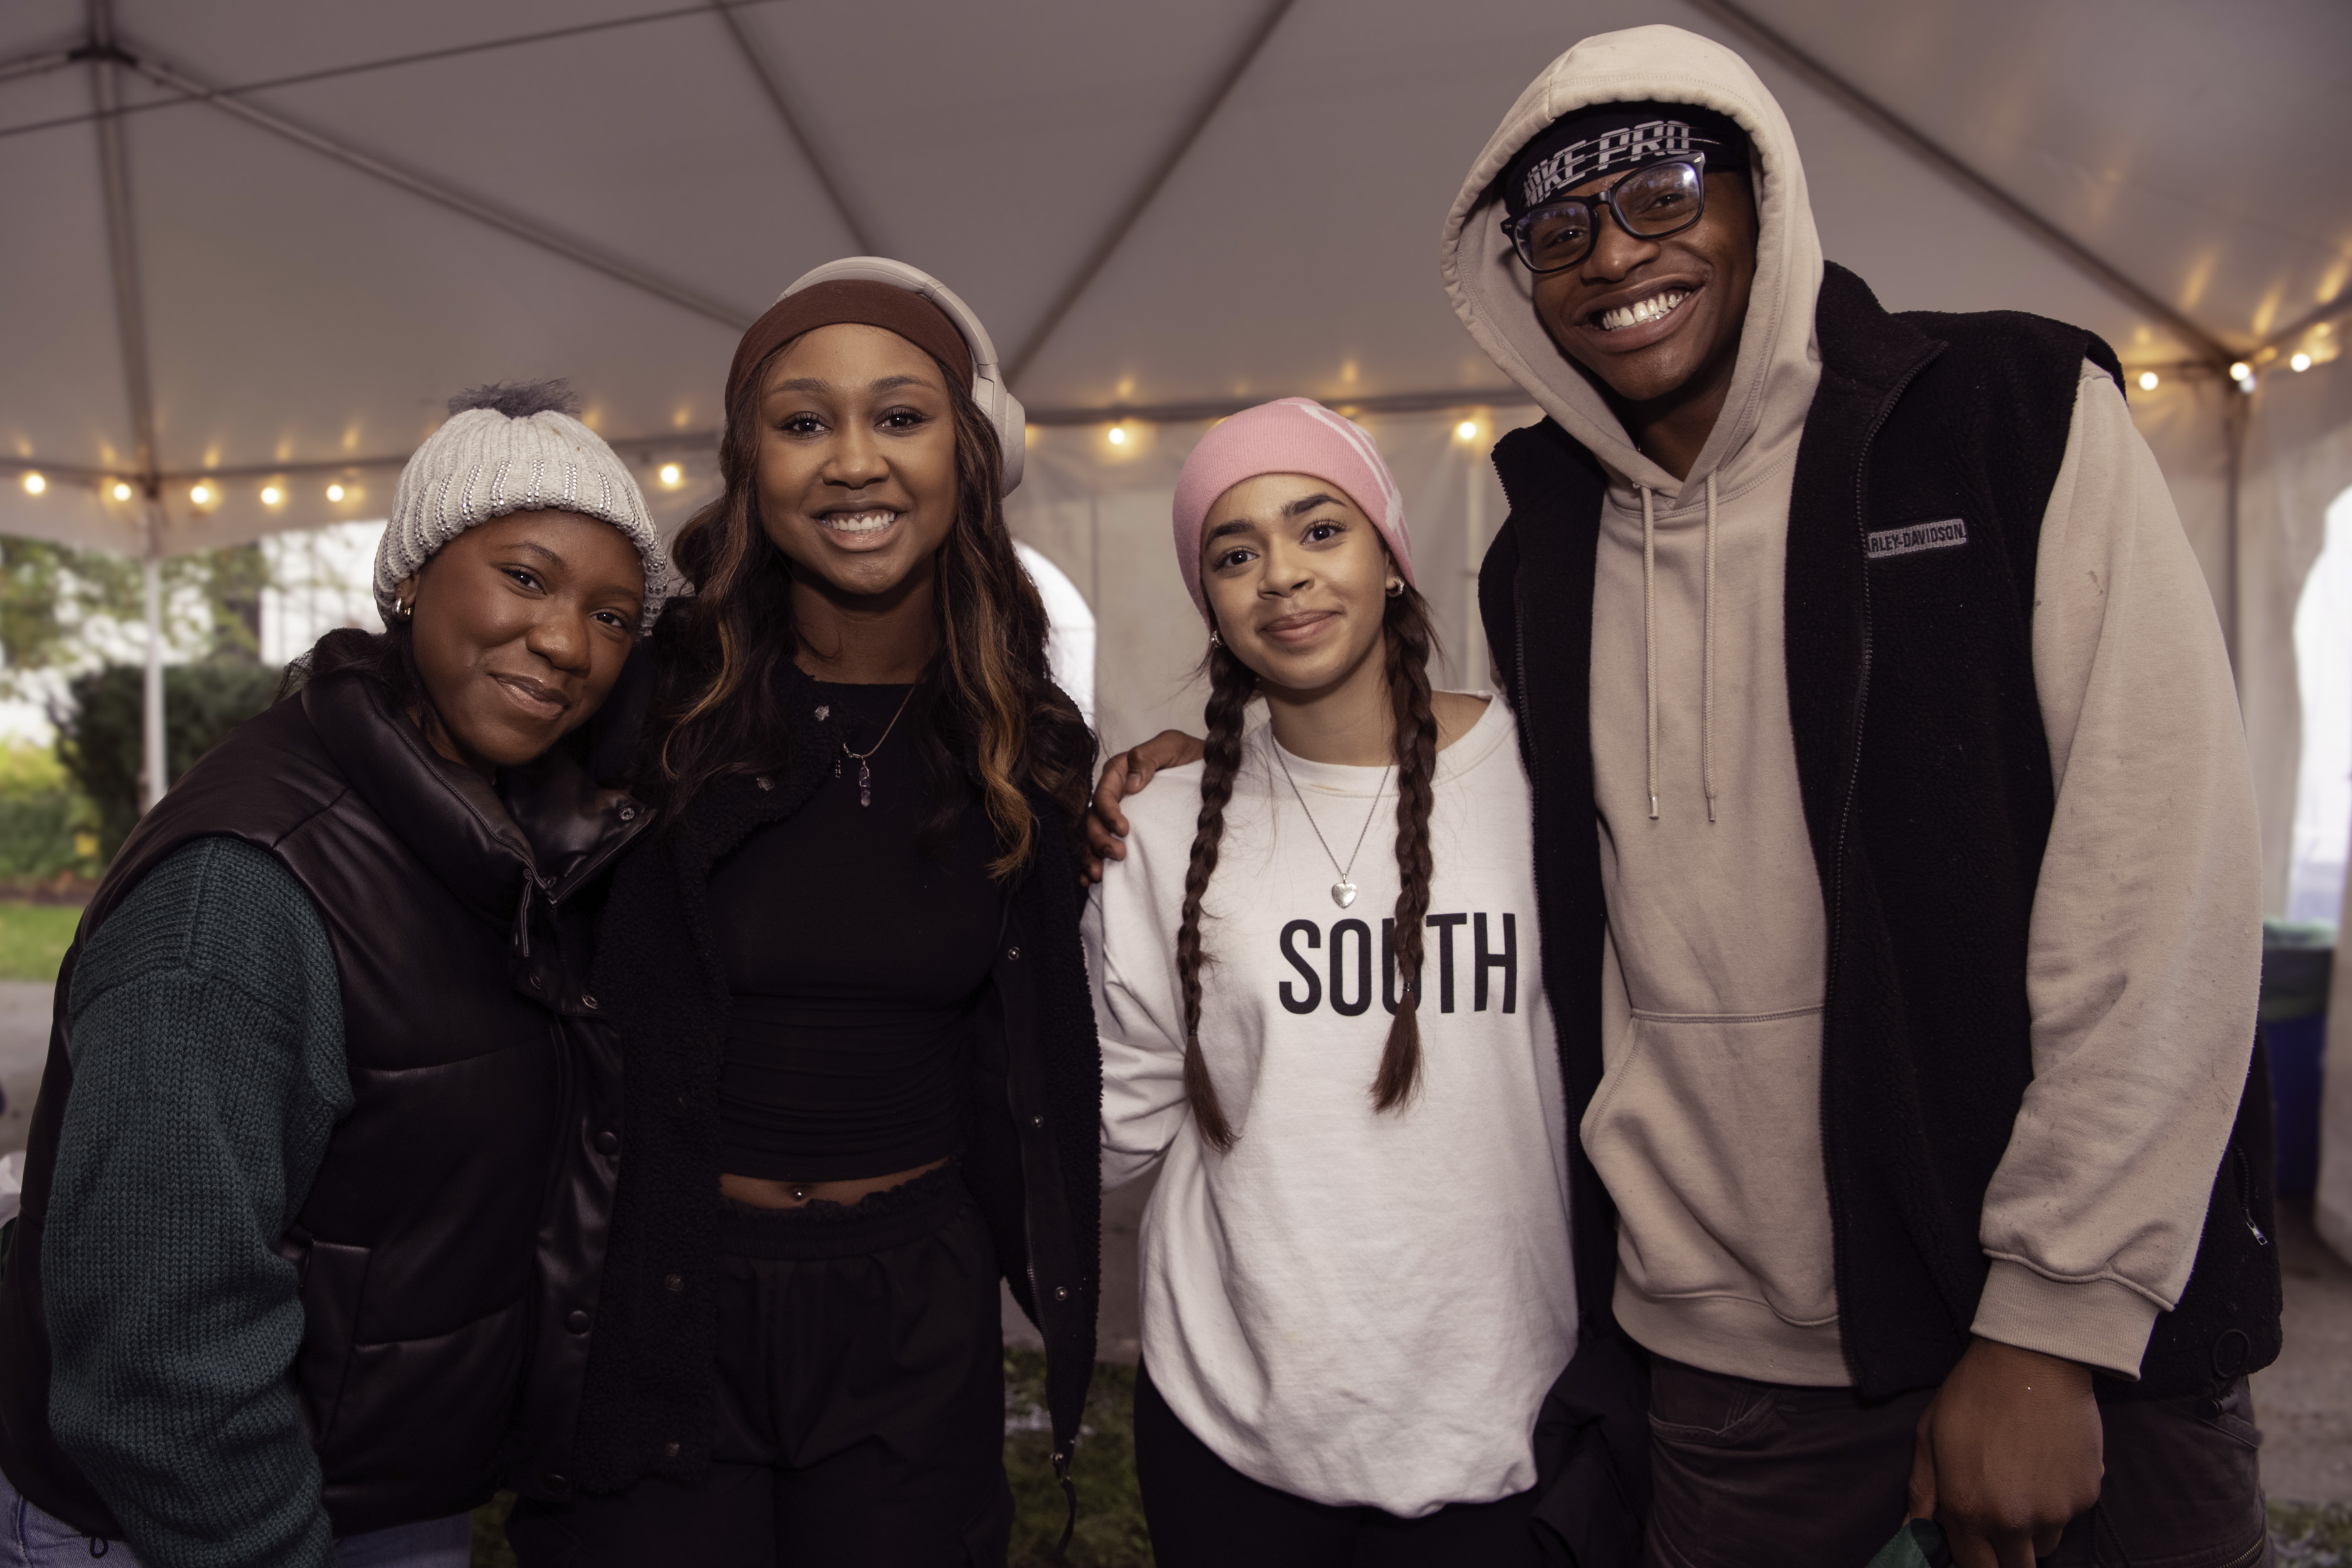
point(1032, 1112)
point(853, 960)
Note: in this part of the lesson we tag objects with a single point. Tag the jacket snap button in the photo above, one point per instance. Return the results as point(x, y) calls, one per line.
point(1012, 954)
point(537, 983)
point(608, 1143)
point(1061, 1292)
point(674, 1283)
point(764, 782)
point(1036, 1121)
point(628, 813)
point(556, 1483)
point(577, 1323)
point(669, 1450)
point(588, 1002)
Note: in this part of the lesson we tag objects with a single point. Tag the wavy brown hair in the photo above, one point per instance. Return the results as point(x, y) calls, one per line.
point(986, 709)
point(1409, 639)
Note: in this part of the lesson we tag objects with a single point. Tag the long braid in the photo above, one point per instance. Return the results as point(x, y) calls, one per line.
point(1414, 727)
point(1232, 683)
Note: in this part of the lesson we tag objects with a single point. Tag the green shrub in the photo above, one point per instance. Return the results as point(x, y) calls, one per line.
point(47, 826)
point(102, 744)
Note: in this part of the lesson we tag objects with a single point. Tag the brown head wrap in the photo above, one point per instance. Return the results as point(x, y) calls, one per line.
point(894, 310)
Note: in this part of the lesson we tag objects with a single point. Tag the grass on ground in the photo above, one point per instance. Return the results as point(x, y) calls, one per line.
point(34, 939)
point(2311, 1537)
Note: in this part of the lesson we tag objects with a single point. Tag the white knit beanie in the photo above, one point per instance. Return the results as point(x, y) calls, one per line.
point(508, 449)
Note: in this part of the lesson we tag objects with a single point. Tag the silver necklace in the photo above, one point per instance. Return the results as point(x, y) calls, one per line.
point(1343, 891)
point(865, 774)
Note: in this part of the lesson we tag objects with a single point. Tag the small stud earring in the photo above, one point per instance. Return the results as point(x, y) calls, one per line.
point(1214, 639)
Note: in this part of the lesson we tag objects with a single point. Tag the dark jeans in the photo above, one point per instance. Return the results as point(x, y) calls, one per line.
point(1203, 1513)
point(860, 1416)
point(1759, 1475)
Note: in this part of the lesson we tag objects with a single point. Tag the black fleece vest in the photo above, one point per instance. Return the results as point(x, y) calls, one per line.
point(418, 1245)
point(1926, 463)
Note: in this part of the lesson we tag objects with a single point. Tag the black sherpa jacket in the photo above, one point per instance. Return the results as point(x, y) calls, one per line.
point(1925, 772)
point(1034, 1115)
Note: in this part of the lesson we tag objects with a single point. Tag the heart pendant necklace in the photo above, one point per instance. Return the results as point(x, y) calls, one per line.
point(1343, 891)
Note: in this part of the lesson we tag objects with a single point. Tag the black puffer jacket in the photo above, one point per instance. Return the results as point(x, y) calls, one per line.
point(1034, 1115)
point(449, 1246)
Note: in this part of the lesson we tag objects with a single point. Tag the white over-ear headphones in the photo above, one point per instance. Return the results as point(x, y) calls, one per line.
point(988, 389)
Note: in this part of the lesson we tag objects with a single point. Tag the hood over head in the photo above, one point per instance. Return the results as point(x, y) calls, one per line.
point(1779, 363)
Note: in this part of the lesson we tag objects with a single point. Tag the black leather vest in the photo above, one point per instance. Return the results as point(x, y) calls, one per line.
point(440, 1275)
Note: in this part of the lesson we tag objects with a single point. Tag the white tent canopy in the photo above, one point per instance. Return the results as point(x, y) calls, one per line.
point(254, 244)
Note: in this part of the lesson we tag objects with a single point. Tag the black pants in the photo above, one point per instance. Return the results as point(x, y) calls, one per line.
point(859, 1403)
point(1203, 1513)
point(1759, 1475)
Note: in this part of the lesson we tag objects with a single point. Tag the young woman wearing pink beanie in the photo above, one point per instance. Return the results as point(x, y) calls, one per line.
point(1334, 1046)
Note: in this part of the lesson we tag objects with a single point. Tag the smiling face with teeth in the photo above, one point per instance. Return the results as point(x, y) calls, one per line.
point(857, 486)
point(1656, 322)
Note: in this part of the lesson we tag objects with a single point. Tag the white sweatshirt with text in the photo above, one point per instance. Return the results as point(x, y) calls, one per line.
point(1354, 1306)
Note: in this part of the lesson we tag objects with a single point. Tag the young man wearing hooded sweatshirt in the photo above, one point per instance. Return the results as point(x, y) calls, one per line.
point(1907, 988)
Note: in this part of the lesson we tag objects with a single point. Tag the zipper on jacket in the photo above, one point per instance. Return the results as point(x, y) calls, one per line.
point(2246, 1193)
point(1853, 770)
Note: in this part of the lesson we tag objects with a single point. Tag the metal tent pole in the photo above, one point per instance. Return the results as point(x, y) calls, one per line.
point(152, 700)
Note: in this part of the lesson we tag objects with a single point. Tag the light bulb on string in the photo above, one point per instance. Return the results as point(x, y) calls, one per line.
point(2147, 381)
point(35, 484)
point(335, 492)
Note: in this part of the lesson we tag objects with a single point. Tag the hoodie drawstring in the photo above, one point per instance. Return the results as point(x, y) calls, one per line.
point(1650, 648)
point(1707, 698)
point(1650, 637)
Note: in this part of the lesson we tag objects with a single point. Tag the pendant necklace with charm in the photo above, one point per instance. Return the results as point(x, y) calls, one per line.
point(1343, 891)
point(866, 774)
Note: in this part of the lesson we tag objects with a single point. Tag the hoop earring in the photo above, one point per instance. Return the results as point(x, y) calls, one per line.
point(1215, 641)
point(1396, 587)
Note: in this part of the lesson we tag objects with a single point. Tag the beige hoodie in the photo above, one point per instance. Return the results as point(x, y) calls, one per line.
point(2145, 946)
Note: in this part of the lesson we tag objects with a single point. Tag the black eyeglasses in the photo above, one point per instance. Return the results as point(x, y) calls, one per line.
point(1649, 204)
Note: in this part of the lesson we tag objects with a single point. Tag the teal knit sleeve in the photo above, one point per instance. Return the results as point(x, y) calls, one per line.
point(207, 1051)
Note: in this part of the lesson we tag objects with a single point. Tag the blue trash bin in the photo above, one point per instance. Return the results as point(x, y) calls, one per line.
point(2297, 959)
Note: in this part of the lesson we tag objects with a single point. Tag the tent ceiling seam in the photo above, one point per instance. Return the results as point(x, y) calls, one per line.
point(1960, 174)
point(1148, 191)
point(772, 82)
point(466, 204)
point(31, 64)
point(34, 65)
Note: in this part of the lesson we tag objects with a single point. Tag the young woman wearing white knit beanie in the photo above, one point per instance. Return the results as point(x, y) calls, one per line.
point(287, 1263)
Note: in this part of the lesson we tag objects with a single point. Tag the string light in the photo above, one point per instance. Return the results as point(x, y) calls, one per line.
point(272, 495)
point(35, 484)
point(1467, 430)
point(201, 494)
point(1119, 435)
point(2242, 370)
point(335, 492)
point(2299, 363)
point(672, 475)
point(122, 490)
point(2147, 381)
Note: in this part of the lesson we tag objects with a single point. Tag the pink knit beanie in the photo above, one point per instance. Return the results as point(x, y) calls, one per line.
point(1290, 436)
